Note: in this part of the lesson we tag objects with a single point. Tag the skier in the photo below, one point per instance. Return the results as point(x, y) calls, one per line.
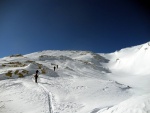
point(36, 76)
point(37, 71)
point(57, 66)
point(54, 68)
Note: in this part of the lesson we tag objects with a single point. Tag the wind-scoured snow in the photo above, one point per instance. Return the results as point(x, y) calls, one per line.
point(85, 82)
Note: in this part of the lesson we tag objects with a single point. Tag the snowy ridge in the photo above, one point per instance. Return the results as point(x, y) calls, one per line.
point(131, 59)
point(84, 82)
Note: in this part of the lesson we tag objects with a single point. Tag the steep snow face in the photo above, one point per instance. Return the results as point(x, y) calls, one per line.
point(134, 60)
point(131, 66)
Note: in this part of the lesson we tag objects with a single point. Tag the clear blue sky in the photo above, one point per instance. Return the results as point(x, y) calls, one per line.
point(100, 26)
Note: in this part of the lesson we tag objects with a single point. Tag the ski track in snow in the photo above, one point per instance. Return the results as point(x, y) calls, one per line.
point(49, 94)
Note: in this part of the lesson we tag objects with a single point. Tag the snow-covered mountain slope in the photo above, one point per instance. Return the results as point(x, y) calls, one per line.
point(134, 60)
point(131, 66)
point(85, 82)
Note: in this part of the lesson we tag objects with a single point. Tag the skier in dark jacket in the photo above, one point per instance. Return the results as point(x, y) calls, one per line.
point(54, 68)
point(37, 71)
point(36, 76)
